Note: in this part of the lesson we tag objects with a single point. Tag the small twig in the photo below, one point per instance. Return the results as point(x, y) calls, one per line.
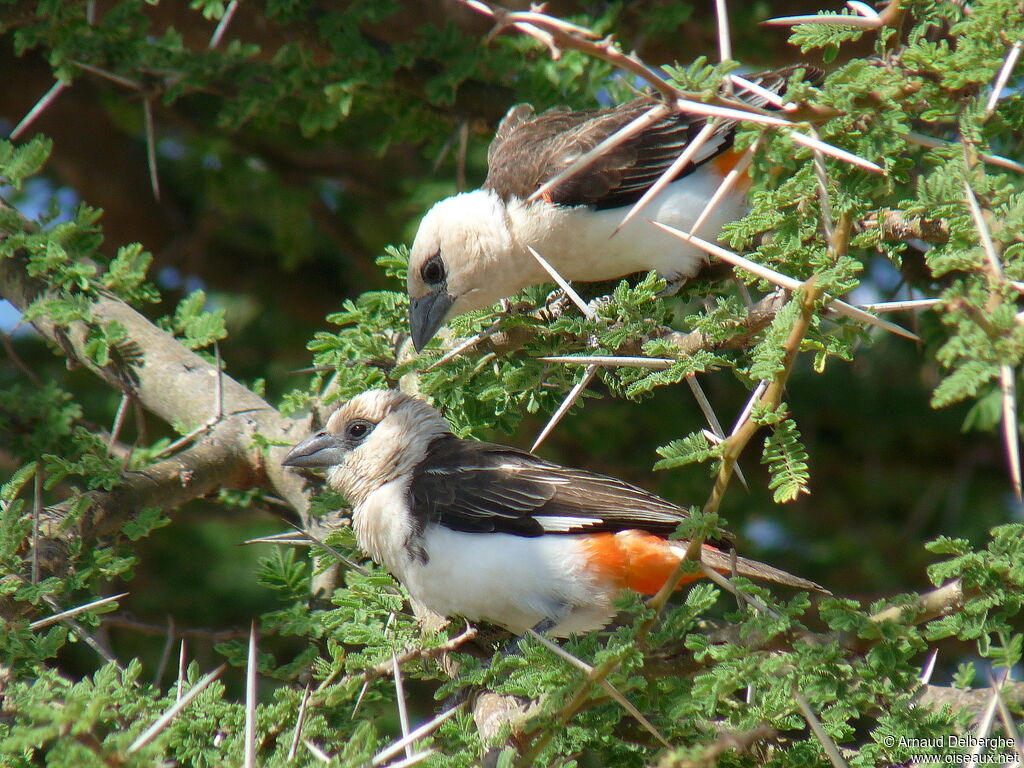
point(728, 586)
point(460, 158)
point(422, 653)
point(164, 720)
point(111, 76)
point(40, 107)
point(165, 653)
point(5, 339)
point(557, 34)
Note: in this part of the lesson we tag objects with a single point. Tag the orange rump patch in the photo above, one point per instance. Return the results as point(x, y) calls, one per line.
point(633, 559)
point(726, 161)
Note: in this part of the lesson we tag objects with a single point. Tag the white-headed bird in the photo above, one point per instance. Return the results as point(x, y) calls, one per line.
point(493, 533)
point(472, 249)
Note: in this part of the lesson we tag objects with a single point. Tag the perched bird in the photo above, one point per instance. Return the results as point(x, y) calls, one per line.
point(490, 532)
point(472, 249)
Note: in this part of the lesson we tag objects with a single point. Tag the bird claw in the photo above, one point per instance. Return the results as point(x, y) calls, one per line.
point(672, 286)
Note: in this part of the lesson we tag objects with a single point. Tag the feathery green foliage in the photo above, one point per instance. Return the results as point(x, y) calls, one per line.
point(254, 152)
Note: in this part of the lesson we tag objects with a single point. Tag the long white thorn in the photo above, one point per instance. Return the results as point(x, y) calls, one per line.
point(161, 722)
point(834, 755)
point(1001, 79)
point(154, 177)
point(64, 615)
point(932, 143)
point(724, 39)
point(836, 152)
point(647, 119)
point(670, 174)
point(570, 398)
point(403, 710)
point(712, 575)
point(784, 281)
point(250, 701)
point(770, 96)
point(655, 363)
point(222, 25)
point(983, 233)
point(182, 670)
point(709, 414)
point(749, 407)
point(40, 107)
point(822, 176)
point(899, 306)
point(1011, 433)
point(726, 185)
point(463, 345)
point(830, 20)
point(731, 113)
point(300, 721)
point(563, 284)
point(427, 728)
point(581, 665)
point(929, 667)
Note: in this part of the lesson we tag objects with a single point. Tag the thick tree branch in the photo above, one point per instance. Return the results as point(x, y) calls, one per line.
point(177, 385)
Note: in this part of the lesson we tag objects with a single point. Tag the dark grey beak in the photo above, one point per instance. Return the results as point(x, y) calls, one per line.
point(427, 314)
point(319, 450)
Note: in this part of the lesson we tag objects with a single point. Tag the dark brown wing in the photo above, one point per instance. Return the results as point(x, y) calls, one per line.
point(481, 487)
point(529, 149)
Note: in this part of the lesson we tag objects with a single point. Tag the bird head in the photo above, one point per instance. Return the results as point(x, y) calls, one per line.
point(374, 438)
point(461, 260)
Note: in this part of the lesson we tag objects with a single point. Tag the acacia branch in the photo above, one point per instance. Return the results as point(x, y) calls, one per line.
point(176, 385)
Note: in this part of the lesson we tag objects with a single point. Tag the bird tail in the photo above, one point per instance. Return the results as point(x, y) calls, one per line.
point(723, 562)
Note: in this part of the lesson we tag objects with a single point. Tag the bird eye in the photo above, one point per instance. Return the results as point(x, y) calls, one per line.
point(433, 271)
point(357, 430)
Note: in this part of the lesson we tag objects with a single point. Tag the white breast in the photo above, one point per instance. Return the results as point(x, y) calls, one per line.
point(579, 242)
point(514, 581)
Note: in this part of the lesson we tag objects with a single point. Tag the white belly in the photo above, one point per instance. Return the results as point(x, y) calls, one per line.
point(578, 242)
point(513, 581)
